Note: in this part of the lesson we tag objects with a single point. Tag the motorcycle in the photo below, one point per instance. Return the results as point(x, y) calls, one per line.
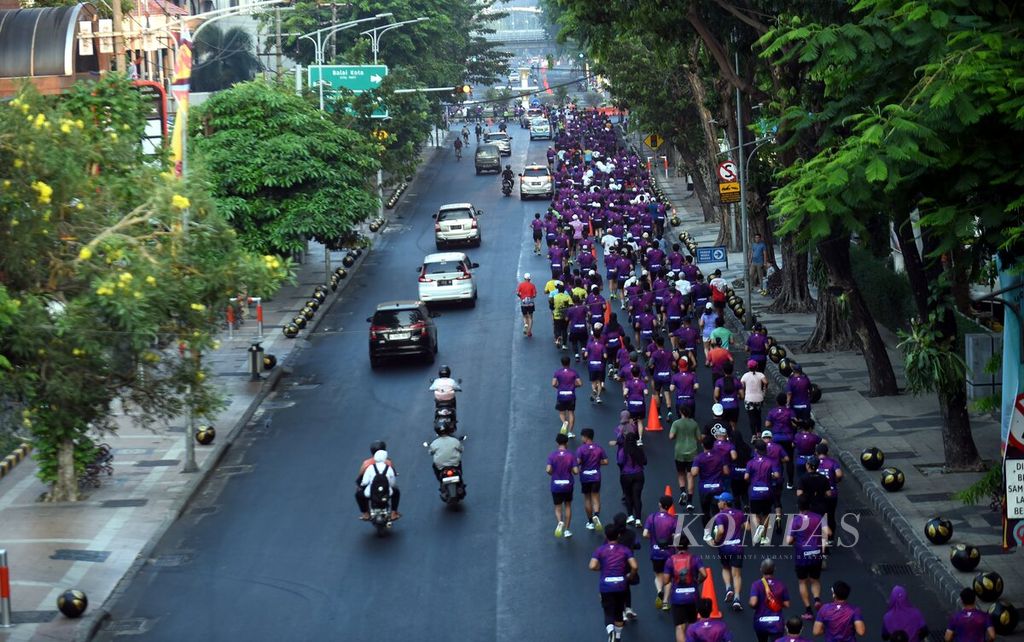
point(444, 414)
point(506, 186)
point(452, 488)
point(380, 516)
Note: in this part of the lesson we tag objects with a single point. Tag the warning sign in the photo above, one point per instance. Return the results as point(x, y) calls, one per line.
point(729, 192)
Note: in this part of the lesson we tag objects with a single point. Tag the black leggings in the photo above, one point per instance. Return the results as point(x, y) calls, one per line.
point(788, 447)
point(613, 604)
point(832, 503)
point(633, 488)
point(754, 415)
point(364, 501)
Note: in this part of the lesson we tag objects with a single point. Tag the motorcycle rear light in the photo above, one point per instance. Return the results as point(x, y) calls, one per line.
point(449, 473)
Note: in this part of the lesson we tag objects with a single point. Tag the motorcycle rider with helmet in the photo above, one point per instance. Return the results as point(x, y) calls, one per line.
point(446, 452)
point(444, 387)
point(367, 471)
point(507, 179)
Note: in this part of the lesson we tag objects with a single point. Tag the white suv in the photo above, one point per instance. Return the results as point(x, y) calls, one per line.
point(536, 181)
point(447, 276)
point(456, 223)
point(540, 128)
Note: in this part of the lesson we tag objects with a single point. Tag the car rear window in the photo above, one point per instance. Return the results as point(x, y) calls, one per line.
point(496, 136)
point(487, 150)
point(535, 171)
point(447, 215)
point(539, 122)
point(441, 267)
point(396, 318)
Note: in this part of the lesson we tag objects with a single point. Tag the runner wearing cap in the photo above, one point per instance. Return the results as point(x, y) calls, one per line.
point(527, 293)
point(727, 530)
point(761, 472)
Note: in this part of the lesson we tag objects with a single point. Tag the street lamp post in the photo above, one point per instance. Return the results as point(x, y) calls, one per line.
point(375, 35)
point(319, 37)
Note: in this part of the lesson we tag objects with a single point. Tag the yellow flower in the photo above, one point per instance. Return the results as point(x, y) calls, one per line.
point(24, 108)
point(180, 202)
point(65, 127)
point(126, 127)
point(18, 163)
point(151, 280)
point(198, 307)
point(216, 344)
point(44, 191)
point(16, 102)
point(79, 205)
point(137, 294)
point(125, 277)
point(200, 376)
point(113, 136)
point(40, 120)
point(104, 290)
point(7, 183)
point(79, 124)
point(78, 352)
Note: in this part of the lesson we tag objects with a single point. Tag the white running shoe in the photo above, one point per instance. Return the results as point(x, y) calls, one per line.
point(708, 538)
point(629, 613)
point(572, 435)
point(559, 529)
point(590, 526)
point(759, 533)
point(567, 534)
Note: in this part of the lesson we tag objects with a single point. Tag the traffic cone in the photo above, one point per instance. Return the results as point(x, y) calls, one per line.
point(653, 420)
point(607, 312)
point(590, 226)
point(671, 508)
point(707, 592)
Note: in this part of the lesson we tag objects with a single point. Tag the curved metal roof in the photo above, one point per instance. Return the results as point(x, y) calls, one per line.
point(38, 42)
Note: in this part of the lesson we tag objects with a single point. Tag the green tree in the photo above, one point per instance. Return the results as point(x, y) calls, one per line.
point(223, 58)
point(105, 266)
point(282, 171)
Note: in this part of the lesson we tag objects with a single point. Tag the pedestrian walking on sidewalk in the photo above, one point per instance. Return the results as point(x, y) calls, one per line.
point(616, 565)
point(904, 617)
point(565, 381)
point(562, 468)
point(970, 624)
point(659, 528)
point(838, 620)
point(757, 264)
point(589, 459)
point(768, 597)
point(728, 530)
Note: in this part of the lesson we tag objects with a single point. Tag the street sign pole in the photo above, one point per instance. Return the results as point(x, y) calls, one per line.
point(743, 205)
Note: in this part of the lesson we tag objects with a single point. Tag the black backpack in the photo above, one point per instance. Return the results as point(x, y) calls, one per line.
point(380, 487)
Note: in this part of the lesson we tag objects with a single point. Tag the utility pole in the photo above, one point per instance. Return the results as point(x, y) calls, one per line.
point(118, 37)
point(743, 200)
point(277, 27)
point(334, 20)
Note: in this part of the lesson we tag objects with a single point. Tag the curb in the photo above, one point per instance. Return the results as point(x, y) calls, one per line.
point(12, 460)
point(92, 623)
point(946, 585)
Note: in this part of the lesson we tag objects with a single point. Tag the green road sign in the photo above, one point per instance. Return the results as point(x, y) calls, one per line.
point(355, 78)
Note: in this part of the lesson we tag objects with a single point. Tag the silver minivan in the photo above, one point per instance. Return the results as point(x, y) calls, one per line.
point(456, 223)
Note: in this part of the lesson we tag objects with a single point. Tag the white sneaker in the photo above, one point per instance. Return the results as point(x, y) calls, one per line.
point(571, 435)
point(590, 526)
point(759, 533)
point(567, 534)
point(708, 538)
point(559, 529)
point(630, 614)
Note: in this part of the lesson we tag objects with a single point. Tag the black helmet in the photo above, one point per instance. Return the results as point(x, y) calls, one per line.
point(444, 425)
point(444, 371)
point(377, 445)
point(508, 167)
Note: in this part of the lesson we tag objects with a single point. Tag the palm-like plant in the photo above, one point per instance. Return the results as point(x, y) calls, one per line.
point(223, 58)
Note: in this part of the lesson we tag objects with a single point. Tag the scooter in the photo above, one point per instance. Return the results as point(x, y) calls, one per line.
point(444, 413)
point(506, 186)
point(452, 488)
point(380, 516)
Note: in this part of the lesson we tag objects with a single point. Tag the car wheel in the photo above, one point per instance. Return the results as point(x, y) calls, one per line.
point(431, 354)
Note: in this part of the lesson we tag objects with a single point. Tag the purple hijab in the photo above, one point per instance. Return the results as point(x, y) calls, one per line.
point(902, 616)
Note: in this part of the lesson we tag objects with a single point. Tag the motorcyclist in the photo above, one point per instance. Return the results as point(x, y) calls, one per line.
point(458, 148)
point(366, 475)
point(446, 451)
point(508, 175)
point(479, 130)
point(465, 133)
point(444, 387)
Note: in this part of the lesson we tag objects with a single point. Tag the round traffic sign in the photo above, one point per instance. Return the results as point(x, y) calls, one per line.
point(727, 172)
point(718, 254)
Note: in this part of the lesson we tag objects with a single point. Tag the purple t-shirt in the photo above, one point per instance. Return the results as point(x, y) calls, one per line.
point(781, 418)
point(765, 619)
point(562, 462)
point(687, 336)
point(589, 457)
point(828, 467)
point(576, 316)
point(708, 631)
point(804, 442)
point(660, 526)
point(792, 638)
point(684, 592)
point(556, 254)
point(838, 618)
point(565, 378)
point(683, 381)
point(595, 355)
point(729, 400)
point(661, 365)
point(807, 530)
point(709, 472)
point(730, 521)
point(775, 452)
point(614, 561)
point(969, 625)
point(758, 344)
point(800, 387)
point(634, 391)
point(760, 470)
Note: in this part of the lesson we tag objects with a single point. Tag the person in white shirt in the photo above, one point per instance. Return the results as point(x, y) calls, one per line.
point(380, 465)
point(754, 385)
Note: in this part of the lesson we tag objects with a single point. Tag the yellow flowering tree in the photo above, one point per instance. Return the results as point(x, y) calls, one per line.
point(113, 275)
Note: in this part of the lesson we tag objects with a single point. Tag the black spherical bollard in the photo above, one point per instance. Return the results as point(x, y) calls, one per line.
point(739, 312)
point(1004, 617)
point(313, 303)
point(815, 393)
point(72, 603)
point(938, 530)
point(300, 321)
point(308, 313)
point(785, 367)
point(733, 301)
point(321, 288)
point(348, 261)
point(988, 585)
point(341, 273)
point(269, 361)
point(964, 557)
point(290, 331)
point(893, 479)
point(777, 353)
point(205, 435)
point(872, 458)
point(320, 296)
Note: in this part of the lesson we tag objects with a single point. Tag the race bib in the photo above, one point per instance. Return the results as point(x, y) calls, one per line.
point(561, 482)
point(590, 473)
point(685, 590)
point(527, 300)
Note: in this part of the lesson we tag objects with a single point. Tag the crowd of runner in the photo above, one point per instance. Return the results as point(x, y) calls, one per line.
point(635, 317)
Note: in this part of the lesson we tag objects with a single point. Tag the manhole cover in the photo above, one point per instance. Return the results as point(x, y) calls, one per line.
point(899, 569)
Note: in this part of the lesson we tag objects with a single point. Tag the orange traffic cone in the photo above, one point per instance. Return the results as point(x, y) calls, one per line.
point(672, 508)
point(707, 592)
point(653, 420)
point(590, 227)
point(593, 251)
point(607, 312)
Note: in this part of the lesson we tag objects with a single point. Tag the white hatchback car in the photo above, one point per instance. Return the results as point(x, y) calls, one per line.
point(536, 181)
point(447, 276)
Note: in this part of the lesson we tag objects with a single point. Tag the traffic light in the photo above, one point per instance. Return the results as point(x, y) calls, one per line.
point(463, 90)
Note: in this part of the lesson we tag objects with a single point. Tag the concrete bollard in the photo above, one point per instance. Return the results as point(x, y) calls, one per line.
point(5, 591)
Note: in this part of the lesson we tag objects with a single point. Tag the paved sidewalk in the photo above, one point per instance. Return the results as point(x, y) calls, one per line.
point(94, 544)
point(905, 427)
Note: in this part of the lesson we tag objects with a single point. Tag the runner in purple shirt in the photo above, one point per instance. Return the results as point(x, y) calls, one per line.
point(659, 528)
point(761, 472)
point(597, 364)
point(634, 391)
point(616, 565)
point(686, 571)
point(780, 423)
point(728, 530)
point(970, 624)
point(589, 459)
point(685, 339)
point(683, 385)
point(561, 467)
point(829, 467)
point(706, 629)
point(565, 381)
point(660, 365)
point(799, 390)
point(711, 473)
point(794, 626)
point(757, 346)
point(556, 255)
point(595, 305)
point(768, 597)
point(675, 305)
point(804, 442)
point(806, 533)
point(576, 317)
point(838, 620)
point(537, 225)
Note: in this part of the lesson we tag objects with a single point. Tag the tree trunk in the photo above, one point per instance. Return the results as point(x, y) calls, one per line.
point(700, 189)
point(794, 295)
point(835, 254)
point(65, 489)
point(704, 159)
point(832, 330)
point(958, 445)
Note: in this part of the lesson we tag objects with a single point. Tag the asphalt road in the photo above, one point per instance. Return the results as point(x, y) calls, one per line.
point(272, 548)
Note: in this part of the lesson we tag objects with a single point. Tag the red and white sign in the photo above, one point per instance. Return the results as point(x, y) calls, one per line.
point(727, 172)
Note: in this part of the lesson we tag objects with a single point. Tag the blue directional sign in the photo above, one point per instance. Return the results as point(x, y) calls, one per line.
point(714, 254)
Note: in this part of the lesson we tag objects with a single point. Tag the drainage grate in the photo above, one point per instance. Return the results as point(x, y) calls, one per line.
point(993, 549)
point(80, 555)
point(171, 560)
point(900, 569)
point(32, 617)
point(153, 463)
point(123, 503)
point(130, 626)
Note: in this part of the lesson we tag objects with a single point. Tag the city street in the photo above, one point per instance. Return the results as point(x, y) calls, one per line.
point(272, 548)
